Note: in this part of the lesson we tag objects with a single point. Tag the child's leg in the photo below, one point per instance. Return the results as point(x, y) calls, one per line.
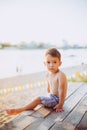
point(30, 106)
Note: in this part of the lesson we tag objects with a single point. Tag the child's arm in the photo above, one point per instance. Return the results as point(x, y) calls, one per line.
point(62, 93)
point(48, 87)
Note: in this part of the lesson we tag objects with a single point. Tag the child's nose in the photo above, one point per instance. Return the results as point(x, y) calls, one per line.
point(51, 64)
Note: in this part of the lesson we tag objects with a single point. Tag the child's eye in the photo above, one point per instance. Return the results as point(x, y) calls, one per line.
point(48, 62)
point(55, 62)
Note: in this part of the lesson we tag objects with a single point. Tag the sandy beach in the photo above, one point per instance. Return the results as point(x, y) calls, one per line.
point(20, 90)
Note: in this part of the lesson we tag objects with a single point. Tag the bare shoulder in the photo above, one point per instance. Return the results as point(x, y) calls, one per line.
point(62, 74)
point(62, 77)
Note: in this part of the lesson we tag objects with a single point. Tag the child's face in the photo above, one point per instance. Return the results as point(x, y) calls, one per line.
point(52, 63)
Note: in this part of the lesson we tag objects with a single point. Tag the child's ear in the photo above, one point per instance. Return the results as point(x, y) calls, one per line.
point(44, 63)
point(60, 63)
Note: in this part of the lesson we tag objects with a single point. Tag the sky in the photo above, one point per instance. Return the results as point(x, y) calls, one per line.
point(49, 21)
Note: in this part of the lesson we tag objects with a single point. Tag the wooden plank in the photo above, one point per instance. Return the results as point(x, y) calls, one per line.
point(73, 86)
point(19, 124)
point(42, 112)
point(83, 124)
point(28, 112)
point(4, 118)
point(73, 118)
point(48, 122)
point(34, 125)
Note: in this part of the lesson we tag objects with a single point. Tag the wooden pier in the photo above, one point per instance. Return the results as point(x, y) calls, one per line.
point(73, 118)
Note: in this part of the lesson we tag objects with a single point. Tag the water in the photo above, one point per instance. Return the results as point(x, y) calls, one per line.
point(18, 62)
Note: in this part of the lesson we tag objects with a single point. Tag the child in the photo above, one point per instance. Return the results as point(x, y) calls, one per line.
point(56, 85)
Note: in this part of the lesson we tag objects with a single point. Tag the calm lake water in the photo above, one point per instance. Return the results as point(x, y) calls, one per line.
point(18, 62)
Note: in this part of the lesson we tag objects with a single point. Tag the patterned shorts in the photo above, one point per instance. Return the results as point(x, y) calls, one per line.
point(49, 100)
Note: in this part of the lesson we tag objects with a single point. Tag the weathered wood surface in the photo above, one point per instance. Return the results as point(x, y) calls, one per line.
point(73, 118)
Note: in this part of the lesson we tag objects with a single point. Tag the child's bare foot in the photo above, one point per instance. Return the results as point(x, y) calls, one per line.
point(13, 111)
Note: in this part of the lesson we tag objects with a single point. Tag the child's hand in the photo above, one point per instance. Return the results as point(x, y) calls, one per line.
point(58, 108)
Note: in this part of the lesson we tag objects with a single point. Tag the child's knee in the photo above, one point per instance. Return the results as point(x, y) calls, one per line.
point(38, 99)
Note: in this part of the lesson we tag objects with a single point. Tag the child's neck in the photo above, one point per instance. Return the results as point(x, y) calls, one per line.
point(51, 73)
